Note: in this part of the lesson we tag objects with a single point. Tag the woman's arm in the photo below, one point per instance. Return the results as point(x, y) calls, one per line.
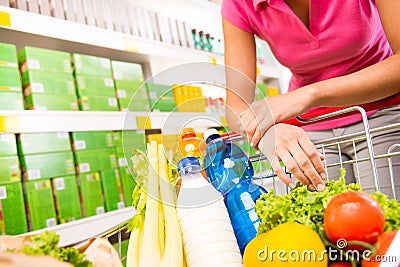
point(240, 61)
point(369, 84)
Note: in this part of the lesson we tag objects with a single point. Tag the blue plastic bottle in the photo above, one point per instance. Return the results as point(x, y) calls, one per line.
point(235, 184)
point(225, 163)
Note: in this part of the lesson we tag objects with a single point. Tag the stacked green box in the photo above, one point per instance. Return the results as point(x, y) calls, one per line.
point(131, 91)
point(93, 160)
point(12, 210)
point(66, 199)
point(94, 82)
point(39, 198)
point(38, 143)
point(47, 79)
point(91, 140)
point(40, 82)
point(94, 86)
point(91, 194)
point(130, 139)
point(128, 184)
point(49, 165)
point(8, 145)
point(8, 55)
point(9, 164)
point(51, 102)
point(161, 97)
point(10, 81)
point(112, 189)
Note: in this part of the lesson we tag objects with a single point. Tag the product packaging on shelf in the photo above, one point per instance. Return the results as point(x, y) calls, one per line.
point(127, 71)
point(91, 195)
point(127, 88)
point(128, 185)
point(41, 82)
point(49, 165)
point(94, 86)
point(112, 189)
point(189, 99)
point(91, 140)
point(92, 66)
point(260, 92)
point(131, 139)
point(41, 212)
point(10, 80)
point(8, 144)
point(51, 102)
point(98, 103)
point(66, 199)
point(33, 58)
point(11, 100)
point(9, 170)
point(94, 160)
point(12, 209)
point(8, 55)
point(161, 97)
point(36, 143)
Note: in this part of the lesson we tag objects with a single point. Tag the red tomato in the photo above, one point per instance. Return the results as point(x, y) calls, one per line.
point(384, 241)
point(340, 264)
point(353, 216)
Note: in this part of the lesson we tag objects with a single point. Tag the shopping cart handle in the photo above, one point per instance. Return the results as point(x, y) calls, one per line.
point(300, 120)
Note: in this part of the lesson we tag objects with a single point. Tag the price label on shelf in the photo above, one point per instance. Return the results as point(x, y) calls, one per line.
point(120, 205)
point(34, 174)
point(37, 88)
point(100, 210)
point(62, 135)
point(51, 222)
point(121, 93)
point(84, 167)
point(80, 144)
point(5, 19)
point(59, 184)
point(131, 46)
point(3, 192)
point(108, 82)
point(6, 137)
point(112, 102)
point(122, 162)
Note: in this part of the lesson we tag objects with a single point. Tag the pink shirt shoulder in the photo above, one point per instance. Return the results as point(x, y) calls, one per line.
point(343, 37)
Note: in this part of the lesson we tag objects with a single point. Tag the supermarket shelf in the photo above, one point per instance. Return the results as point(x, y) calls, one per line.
point(80, 230)
point(31, 121)
point(52, 33)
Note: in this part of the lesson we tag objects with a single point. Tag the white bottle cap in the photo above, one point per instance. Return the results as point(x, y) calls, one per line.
point(210, 132)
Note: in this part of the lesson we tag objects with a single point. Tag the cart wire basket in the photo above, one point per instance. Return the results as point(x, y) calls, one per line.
point(267, 178)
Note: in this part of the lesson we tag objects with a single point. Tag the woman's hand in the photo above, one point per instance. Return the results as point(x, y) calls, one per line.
point(290, 144)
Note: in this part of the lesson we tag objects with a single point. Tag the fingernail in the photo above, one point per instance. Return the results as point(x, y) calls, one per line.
point(323, 175)
point(292, 185)
point(311, 187)
point(320, 187)
point(241, 113)
point(252, 144)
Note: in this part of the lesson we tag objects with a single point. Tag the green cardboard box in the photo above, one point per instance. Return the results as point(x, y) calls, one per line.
point(11, 101)
point(51, 102)
point(66, 199)
point(93, 160)
point(112, 189)
point(127, 71)
point(125, 104)
point(41, 82)
point(8, 144)
point(40, 205)
point(8, 55)
point(12, 207)
point(117, 138)
point(91, 65)
point(94, 86)
point(34, 58)
point(161, 97)
point(135, 91)
point(98, 103)
point(260, 92)
point(91, 140)
point(133, 139)
point(128, 185)
point(127, 88)
point(35, 143)
point(10, 80)
point(49, 165)
point(91, 194)
point(10, 171)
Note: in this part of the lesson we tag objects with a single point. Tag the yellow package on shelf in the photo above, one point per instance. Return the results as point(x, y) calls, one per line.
point(189, 98)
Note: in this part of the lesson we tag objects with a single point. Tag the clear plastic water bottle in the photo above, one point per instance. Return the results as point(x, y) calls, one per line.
point(240, 202)
point(235, 183)
point(207, 232)
point(225, 163)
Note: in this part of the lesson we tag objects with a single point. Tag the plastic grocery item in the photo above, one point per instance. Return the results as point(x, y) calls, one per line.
point(236, 184)
point(240, 202)
point(225, 163)
point(201, 209)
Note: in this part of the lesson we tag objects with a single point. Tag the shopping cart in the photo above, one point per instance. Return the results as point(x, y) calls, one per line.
point(118, 233)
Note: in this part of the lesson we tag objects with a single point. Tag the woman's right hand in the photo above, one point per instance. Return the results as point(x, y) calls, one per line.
point(290, 144)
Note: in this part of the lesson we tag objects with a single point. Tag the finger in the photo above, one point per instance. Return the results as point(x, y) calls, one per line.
point(308, 169)
point(250, 128)
point(276, 166)
point(313, 154)
point(294, 168)
point(256, 138)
